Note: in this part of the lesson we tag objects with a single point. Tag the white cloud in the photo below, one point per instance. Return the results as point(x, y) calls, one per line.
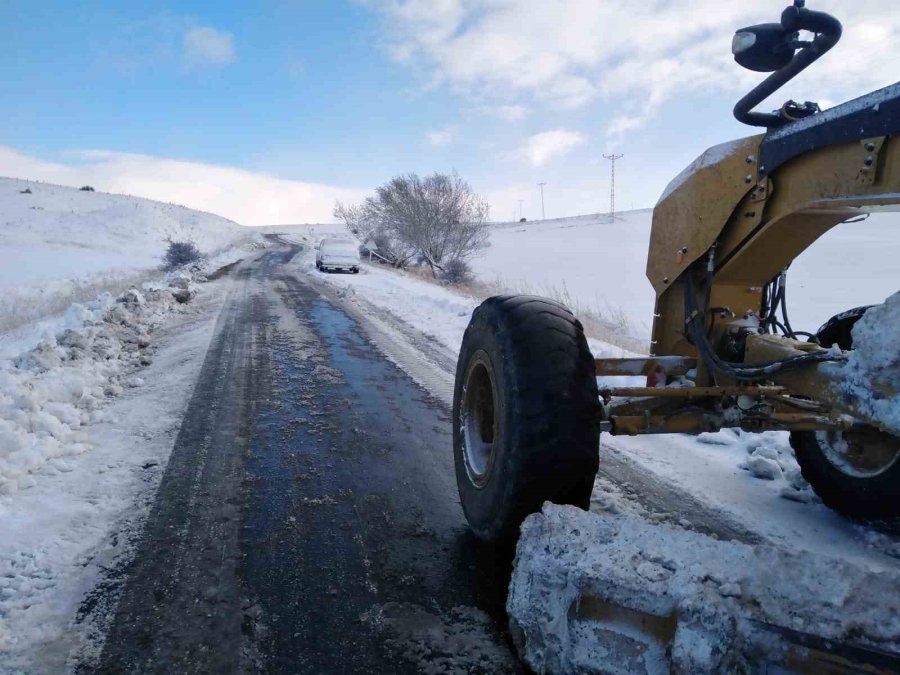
point(507, 113)
point(246, 197)
point(634, 56)
point(440, 138)
point(541, 148)
point(207, 47)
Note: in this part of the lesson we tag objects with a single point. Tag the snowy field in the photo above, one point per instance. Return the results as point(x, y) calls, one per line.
point(61, 245)
point(602, 266)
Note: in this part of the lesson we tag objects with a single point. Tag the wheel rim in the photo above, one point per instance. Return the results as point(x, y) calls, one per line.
point(862, 454)
point(479, 421)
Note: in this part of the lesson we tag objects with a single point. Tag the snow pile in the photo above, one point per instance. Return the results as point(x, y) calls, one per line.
point(874, 365)
point(48, 393)
point(769, 457)
point(691, 602)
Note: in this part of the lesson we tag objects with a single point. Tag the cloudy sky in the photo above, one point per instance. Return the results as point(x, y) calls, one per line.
point(267, 112)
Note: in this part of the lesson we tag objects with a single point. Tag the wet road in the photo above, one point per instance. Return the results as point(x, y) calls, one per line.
point(308, 520)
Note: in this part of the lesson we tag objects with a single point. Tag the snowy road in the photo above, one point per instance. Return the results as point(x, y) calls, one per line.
point(308, 519)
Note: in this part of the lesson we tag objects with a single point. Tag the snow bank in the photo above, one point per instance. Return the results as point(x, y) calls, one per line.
point(76, 517)
point(49, 392)
point(708, 601)
point(874, 365)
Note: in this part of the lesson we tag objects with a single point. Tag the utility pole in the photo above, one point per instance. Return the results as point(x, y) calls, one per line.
point(612, 185)
point(543, 213)
point(520, 209)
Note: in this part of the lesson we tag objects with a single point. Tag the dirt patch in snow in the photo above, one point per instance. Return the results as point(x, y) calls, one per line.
point(454, 642)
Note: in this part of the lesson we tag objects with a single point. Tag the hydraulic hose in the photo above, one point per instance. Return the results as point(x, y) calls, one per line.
point(696, 330)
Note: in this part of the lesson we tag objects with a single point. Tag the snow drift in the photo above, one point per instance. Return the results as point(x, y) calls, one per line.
point(874, 367)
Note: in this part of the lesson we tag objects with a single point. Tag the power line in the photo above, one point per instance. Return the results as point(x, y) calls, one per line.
point(612, 185)
point(543, 213)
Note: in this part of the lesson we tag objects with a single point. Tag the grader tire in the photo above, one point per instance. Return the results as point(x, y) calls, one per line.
point(525, 414)
point(852, 484)
point(867, 492)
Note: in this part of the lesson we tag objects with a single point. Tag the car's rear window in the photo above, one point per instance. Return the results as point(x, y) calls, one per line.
point(339, 246)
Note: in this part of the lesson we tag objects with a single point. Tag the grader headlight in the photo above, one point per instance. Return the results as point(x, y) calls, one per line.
point(742, 41)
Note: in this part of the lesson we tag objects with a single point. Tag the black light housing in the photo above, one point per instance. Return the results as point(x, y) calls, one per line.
point(764, 48)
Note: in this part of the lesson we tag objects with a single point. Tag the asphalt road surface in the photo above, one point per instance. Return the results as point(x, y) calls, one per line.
point(308, 519)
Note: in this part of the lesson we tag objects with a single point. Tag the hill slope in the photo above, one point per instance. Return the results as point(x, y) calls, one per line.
point(61, 245)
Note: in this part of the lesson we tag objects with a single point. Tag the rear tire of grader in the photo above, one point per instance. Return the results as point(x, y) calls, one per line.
point(854, 473)
point(525, 414)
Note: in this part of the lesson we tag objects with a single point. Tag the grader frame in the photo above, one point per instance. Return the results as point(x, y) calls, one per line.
point(744, 211)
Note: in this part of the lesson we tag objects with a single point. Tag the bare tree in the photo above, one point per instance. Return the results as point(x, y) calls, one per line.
point(363, 223)
point(355, 220)
point(439, 217)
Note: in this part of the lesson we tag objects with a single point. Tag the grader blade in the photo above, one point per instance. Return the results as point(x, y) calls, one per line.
point(601, 594)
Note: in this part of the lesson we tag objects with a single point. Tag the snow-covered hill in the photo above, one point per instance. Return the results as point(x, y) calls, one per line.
point(60, 245)
point(601, 266)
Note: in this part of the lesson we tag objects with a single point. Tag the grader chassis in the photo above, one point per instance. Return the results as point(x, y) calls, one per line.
point(527, 409)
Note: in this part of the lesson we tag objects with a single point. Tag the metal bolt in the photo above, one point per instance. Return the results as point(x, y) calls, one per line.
point(750, 159)
point(870, 147)
point(665, 280)
point(748, 178)
point(868, 161)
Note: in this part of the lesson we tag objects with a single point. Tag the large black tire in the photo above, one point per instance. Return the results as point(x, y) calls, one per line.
point(526, 414)
point(847, 484)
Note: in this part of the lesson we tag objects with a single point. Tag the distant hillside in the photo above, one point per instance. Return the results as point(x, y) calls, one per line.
point(60, 245)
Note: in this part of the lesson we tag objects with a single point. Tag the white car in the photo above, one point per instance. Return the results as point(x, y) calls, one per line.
point(337, 254)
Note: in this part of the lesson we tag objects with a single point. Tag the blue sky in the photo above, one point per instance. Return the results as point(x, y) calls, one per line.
point(275, 109)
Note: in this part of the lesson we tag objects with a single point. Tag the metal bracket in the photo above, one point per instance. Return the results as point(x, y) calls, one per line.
point(762, 190)
point(868, 172)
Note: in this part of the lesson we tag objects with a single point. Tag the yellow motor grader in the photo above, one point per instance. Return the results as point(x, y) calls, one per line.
point(527, 411)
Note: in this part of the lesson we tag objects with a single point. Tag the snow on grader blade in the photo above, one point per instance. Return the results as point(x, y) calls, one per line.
point(602, 594)
point(527, 411)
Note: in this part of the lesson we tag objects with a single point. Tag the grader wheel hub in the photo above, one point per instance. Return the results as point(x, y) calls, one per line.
point(479, 422)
